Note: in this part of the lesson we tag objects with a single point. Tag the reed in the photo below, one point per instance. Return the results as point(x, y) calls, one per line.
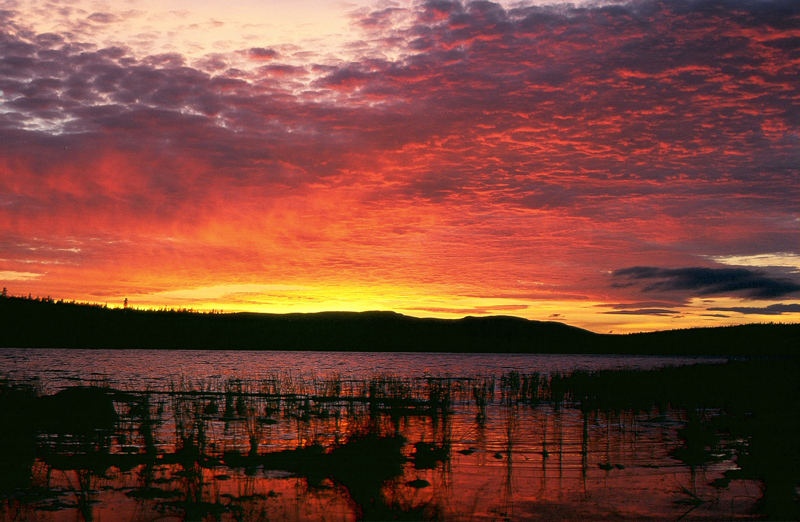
point(311, 425)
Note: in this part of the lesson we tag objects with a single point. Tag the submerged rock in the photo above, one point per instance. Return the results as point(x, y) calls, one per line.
point(418, 483)
point(77, 410)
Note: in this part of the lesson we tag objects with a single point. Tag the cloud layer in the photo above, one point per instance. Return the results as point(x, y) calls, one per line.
point(773, 309)
point(460, 149)
point(751, 284)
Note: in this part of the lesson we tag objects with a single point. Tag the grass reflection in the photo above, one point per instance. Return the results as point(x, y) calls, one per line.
point(705, 441)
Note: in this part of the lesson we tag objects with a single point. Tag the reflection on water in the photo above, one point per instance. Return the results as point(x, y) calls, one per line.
point(154, 368)
point(702, 441)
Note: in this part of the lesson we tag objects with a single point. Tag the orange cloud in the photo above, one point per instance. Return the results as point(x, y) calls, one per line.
point(459, 158)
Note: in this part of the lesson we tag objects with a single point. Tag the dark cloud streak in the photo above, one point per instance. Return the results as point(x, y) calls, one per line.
point(644, 311)
point(773, 309)
point(752, 284)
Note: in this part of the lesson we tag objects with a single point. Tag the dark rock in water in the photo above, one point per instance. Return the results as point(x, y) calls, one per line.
point(77, 410)
point(17, 437)
point(418, 483)
point(722, 482)
point(427, 455)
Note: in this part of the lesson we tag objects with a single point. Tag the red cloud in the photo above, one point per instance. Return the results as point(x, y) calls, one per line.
point(495, 146)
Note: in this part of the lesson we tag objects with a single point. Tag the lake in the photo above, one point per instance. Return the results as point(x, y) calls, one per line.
point(244, 435)
point(57, 368)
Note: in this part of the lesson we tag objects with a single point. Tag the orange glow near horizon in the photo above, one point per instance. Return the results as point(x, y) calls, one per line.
point(619, 169)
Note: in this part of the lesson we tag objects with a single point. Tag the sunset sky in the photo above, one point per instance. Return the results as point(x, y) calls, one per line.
point(618, 166)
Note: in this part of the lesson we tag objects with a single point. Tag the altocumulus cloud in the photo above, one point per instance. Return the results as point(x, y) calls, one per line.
point(508, 139)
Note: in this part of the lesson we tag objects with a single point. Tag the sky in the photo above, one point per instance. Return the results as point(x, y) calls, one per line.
point(619, 166)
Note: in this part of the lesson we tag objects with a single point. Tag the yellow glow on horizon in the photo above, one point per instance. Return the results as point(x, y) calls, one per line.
point(596, 316)
point(260, 189)
point(591, 315)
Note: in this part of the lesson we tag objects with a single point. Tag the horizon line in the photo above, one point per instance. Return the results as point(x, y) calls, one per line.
point(179, 310)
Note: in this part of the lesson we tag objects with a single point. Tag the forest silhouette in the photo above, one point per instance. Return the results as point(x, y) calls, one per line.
point(29, 322)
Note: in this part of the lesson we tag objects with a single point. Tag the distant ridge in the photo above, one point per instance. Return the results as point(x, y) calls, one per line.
point(42, 323)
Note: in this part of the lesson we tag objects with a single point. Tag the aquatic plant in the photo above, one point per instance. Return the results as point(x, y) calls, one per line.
point(366, 440)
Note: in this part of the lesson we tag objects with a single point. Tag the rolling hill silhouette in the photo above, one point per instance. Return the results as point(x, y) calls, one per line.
point(45, 323)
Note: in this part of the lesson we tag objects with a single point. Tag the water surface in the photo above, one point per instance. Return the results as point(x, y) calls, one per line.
point(242, 435)
point(155, 368)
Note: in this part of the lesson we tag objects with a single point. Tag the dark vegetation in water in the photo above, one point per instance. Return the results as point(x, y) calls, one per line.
point(44, 323)
point(744, 411)
point(754, 401)
point(73, 430)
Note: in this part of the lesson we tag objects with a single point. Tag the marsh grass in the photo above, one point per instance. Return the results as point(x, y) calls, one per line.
point(322, 428)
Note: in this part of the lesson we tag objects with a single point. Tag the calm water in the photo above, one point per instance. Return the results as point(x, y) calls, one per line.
point(57, 368)
point(238, 435)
